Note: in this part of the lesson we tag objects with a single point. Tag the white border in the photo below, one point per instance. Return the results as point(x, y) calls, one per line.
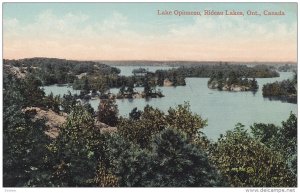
point(133, 190)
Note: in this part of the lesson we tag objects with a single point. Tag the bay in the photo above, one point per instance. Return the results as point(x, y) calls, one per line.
point(222, 109)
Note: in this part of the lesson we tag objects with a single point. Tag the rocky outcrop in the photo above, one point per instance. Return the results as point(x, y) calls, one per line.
point(81, 75)
point(137, 95)
point(233, 87)
point(167, 82)
point(15, 71)
point(104, 128)
point(54, 121)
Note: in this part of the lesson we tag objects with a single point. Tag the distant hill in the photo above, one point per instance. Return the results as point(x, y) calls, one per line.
point(185, 63)
point(38, 61)
point(54, 70)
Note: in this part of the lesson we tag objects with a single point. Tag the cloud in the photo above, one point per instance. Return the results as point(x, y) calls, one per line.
point(78, 36)
point(235, 29)
point(115, 22)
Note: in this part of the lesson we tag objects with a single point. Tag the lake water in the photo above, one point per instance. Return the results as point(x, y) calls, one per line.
point(222, 109)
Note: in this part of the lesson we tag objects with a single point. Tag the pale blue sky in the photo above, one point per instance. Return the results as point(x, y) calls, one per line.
point(139, 23)
point(142, 12)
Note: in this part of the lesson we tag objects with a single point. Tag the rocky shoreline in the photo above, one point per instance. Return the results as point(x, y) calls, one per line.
point(226, 87)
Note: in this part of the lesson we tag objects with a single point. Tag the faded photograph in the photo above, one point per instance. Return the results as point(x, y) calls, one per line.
point(149, 95)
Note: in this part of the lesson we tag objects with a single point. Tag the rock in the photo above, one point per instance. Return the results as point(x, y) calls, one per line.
point(104, 128)
point(53, 120)
point(167, 82)
point(235, 88)
point(81, 75)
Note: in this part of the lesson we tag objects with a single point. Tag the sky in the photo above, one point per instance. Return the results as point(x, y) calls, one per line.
point(134, 31)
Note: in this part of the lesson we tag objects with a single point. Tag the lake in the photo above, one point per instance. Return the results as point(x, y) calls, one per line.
point(222, 109)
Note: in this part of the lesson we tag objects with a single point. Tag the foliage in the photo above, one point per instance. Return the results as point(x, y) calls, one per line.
point(68, 102)
point(80, 152)
point(208, 70)
point(176, 78)
point(284, 90)
point(248, 163)
point(60, 71)
point(171, 162)
point(144, 151)
point(135, 114)
point(220, 82)
point(126, 92)
point(183, 119)
point(139, 131)
point(265, 133)
point(25, 153)
point(108, 112)
point(86, 86)
point(287, 68)
point(105, 178)
point(152, 121)
point(53, 102)
point(281, 139)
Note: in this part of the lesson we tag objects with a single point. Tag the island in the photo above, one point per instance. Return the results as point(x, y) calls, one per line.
point(95, 78)
point(285, 90)
point(232, 82)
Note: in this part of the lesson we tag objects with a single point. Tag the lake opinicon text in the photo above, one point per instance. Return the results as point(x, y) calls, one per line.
point(232, 12)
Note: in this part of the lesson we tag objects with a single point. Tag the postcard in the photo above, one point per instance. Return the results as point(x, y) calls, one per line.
point(150, 95)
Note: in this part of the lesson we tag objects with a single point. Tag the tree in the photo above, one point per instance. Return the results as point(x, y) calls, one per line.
point(253, 84)
point(130, 88)
point(79, 152)
point(108, 112)
point(288, 135)
point(284, 90)
point(232, 78)
point(25, 153)
point(280, 139)
point(140, 131)
point(68, 102)
point(171, 162)
point(248, 163)
point(135, 114)
point(122, 90)
point(86, 86)
point(160, 77)
point(152, 121)
point(102, 85)
point(265, 133)
point(147, 88)
point(183, 119)
point(52, 102)
point(31, 91)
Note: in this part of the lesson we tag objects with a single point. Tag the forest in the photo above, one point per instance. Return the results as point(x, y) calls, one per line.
point(59, 71)
point(97, 78)
point(149, 148)
point(206, 71)
point(232, 82)
point(285, 90)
